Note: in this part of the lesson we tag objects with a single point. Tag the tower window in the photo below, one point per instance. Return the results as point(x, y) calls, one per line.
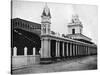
point(73, 31)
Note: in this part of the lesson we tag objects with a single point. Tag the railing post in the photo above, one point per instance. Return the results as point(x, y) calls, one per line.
point(25, 51)
point(15, 51)
point(34, 51)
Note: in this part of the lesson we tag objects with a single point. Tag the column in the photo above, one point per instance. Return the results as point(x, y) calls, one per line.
point(78, 50)
point(73, 49)
point(63, 50)
point(67, 48)
point(45, 45)
point(33, 51)
point(42, 46)
point(85, 51)
point(40, 51)
point(56, 49)
point(88, 51)
point(14, 51)
point(25, 51)
point(49, 53)
point(70, 49)
point(81, 50)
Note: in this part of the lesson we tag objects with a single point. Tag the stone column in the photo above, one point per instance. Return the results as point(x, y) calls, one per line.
point(76, 49)
point(34, 53)
point(79, 49)
point(63, 49)
point(49, 52)
point(14, 51)
point(73, 49)
point(88, 51)
point(70, 49)
point(25, 51)
point(42, 46)
point(67, 48)
point(85, 51)
point(56, 49)
point(40, 51)
point(45, 46)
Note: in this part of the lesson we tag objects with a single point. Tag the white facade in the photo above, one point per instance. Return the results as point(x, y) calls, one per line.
point(75, 29)
point(75, 24)
point(78, 29)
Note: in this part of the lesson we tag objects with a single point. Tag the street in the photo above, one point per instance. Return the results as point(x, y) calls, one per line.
point(82, 63)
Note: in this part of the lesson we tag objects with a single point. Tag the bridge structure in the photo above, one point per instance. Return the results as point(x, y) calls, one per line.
point(25, 33)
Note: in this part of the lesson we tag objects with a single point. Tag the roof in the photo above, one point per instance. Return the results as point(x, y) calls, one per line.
point(26, 22)
point(79, 35)
point(46, 11)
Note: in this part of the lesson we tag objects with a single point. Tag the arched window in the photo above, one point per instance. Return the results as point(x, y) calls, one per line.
point(73, 31)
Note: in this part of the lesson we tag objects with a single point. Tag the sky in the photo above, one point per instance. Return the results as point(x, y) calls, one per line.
point(61, 15)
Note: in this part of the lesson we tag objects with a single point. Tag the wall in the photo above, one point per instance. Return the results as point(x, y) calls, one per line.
point(23, 61)
point(77, 29)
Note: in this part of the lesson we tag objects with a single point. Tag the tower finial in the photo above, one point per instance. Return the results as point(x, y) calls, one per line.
point(46, 4)
point(75, 19)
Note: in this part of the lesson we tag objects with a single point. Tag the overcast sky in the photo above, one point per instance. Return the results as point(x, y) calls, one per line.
point(61, 15)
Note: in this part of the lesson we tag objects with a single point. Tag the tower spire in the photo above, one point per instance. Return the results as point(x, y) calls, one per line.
point(46, 11)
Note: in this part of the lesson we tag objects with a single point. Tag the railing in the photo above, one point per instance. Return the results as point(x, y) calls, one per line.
point(20, 61)
point(27, 27)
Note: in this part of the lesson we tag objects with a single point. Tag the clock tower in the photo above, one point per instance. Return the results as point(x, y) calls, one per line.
point(45, 21)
